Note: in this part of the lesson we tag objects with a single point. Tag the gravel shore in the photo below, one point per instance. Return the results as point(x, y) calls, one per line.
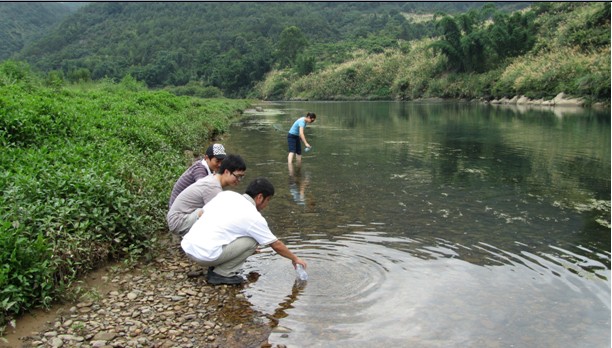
point(164, 303)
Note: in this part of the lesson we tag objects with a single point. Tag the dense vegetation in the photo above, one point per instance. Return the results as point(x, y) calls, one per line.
point(328, 51)
point(86, 175)
point(24, 22)
point(540, 52)
point(226, 45)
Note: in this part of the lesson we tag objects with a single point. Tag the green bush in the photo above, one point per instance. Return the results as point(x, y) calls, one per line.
point(196, 90)
point(26, 272)
point(86, 172)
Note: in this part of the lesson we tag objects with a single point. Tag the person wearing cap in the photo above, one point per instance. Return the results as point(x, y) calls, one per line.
point(230, 230)
point(213, 157)
point(187, 207)
point(296, 133)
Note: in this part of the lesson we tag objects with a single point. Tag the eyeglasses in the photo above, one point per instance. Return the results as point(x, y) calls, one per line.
point(238, 177)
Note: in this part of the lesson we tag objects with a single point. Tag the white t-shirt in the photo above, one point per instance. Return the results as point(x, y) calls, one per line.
point(228, 216)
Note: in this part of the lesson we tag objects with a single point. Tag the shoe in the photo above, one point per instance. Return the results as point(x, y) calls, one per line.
point(216, 279)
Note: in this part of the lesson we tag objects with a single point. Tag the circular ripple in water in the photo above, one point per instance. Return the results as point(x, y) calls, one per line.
point(367, 288)
point(340, 276)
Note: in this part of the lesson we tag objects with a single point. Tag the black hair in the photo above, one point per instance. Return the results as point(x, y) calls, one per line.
point(260, 185)
point(312, 115)
point(232, 163)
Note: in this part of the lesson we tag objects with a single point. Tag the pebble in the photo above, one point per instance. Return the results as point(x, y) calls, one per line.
point(166, 303)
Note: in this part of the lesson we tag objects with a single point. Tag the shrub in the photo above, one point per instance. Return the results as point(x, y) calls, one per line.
point(416, 71)
point(86, 171)
point(275, 85)
point(26, 272)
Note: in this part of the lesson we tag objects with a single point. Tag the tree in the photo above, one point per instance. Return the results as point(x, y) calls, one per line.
point(470, 46)
point(511, 36)
point(291, 42)
point(450, 43)
point(305, 64)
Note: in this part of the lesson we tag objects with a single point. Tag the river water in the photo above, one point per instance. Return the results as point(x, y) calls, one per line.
point(434, 225)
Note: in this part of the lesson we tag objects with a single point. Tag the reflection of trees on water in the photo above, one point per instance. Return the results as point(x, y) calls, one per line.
point(485, 184)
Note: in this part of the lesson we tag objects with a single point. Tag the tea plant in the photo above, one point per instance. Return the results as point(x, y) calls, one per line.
point(86, 174)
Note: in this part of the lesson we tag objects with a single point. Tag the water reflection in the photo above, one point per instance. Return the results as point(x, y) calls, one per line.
point(434, 225)
point(281, 311)
point(367, 287)
point(298, 182)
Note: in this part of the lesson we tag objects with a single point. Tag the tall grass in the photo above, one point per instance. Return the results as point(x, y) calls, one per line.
point(366, 77)
point(417, 70)
point(572, 55)
point(86, 175)
point(564, 69)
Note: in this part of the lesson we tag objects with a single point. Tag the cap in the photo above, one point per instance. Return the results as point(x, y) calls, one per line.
point(216, 150)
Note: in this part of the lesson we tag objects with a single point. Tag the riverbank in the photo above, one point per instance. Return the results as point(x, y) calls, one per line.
point(163, 303)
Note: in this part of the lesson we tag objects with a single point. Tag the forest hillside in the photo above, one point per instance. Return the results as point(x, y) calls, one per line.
point(336, 50)
point(24, 22)
point(530, 56)
point(224, 47)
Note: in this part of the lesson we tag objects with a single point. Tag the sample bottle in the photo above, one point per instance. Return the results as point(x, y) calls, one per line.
point(301, 272)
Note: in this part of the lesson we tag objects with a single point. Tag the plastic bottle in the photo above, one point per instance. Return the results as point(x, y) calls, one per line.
point(307, 149)
point(301, 273)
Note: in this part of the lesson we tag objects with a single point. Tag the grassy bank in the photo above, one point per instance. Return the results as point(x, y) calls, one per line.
point(86, 174)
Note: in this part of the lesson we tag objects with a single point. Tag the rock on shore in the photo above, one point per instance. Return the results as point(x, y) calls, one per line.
point(560, 100)
point(165, 303)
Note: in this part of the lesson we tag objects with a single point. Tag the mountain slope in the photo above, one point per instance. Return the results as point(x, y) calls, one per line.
point(24, 22)
point(224, 44)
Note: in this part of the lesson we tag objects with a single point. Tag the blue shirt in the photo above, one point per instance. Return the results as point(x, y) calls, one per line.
point(295, 129)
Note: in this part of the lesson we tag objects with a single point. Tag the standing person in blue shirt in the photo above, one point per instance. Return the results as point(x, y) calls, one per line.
point(296, 133)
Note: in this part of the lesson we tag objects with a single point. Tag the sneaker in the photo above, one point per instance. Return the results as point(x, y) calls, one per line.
point(216, 279)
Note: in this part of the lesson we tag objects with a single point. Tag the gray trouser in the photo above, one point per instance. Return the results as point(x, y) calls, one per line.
point(189, 220)
point(232, 257)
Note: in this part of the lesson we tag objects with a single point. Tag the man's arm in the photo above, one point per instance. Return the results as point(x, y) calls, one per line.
point(283, 251)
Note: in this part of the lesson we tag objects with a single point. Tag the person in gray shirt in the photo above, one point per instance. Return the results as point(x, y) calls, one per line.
point(187, 207)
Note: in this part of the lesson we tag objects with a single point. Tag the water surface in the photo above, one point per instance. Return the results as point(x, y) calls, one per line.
point(435, 225)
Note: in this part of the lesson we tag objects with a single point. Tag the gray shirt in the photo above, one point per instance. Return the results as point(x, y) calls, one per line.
point(195, 196)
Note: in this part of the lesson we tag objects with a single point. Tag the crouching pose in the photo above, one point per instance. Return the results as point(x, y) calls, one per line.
point(230, 230)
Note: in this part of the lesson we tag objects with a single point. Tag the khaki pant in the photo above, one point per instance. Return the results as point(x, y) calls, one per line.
point(232, 257)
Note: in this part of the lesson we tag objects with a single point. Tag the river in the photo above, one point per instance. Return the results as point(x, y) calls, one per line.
point(434, 224)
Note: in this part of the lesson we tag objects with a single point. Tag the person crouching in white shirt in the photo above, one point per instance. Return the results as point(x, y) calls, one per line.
point(230, 230)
